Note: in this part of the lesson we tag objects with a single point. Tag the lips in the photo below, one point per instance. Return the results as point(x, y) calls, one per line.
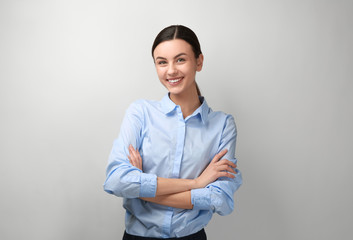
point(174, 81)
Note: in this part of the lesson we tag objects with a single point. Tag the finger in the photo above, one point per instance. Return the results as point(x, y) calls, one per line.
point(219, 155)
point(139, 155)
point(132, 149)
point(226, 162)
point(230, 175)
point(226, 174)
point(230, 163)
point(128, 156)
point(133, 152)
point(225, 168)
point(231, 170)
point(222, 168)
point(132, 161)
point(132, 158)
point(139, 158)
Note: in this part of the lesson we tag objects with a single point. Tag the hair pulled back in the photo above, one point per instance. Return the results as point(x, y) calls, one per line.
point(179, 32)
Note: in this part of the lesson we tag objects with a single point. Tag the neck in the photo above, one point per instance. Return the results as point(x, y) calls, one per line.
point(188, 102)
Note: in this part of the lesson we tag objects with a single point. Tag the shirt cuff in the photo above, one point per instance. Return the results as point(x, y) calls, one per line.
point(148, 185)
point(201, 198)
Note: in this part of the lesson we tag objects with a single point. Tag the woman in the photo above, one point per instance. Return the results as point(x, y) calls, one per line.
point(173, 162)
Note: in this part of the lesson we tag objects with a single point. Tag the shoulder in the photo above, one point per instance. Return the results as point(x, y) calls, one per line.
point(220, 116)
point(141, 105)
point(223, 120)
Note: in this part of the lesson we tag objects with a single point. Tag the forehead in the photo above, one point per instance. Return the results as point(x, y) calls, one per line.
point(172, 48)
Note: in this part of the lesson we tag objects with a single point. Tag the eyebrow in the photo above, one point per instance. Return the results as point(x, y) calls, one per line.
point(180, 54)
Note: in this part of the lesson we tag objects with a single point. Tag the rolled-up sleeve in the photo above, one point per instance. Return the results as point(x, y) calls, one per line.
point(123, 179)
point(219, 195)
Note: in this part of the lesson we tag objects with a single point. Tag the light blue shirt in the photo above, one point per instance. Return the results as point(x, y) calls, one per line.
point(171, 147)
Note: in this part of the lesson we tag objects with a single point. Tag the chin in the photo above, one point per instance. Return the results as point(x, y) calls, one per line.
point(175, 92)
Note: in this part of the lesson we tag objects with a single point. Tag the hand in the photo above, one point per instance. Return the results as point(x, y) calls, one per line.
point(216, 169)
point(135, 157)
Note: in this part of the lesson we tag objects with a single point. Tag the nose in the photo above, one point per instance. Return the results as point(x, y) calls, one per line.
point(172, 70)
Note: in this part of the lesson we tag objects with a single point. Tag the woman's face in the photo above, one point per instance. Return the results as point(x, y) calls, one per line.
point(176, 66)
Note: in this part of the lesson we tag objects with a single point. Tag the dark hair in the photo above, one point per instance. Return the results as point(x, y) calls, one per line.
point(179, 32)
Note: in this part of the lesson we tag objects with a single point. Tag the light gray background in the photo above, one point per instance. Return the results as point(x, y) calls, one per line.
point(69, 69)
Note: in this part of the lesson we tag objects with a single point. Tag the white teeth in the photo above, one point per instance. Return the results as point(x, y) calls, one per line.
point(174, 80)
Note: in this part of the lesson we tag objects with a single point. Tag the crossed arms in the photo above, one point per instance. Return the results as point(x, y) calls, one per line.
point(212, 190)
point(177, 192)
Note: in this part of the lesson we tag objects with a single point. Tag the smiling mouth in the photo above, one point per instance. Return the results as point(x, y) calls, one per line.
point(174, 80)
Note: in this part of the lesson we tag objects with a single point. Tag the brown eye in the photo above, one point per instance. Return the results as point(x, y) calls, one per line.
point(162, 62)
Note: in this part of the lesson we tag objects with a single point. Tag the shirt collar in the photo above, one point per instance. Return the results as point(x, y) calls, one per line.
point(168, 106)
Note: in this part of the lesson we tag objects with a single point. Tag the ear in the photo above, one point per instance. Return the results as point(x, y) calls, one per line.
point(199, 63)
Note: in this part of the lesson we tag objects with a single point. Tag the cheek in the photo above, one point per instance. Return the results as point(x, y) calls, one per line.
point(190, 67)
point(189, 70)
point(160, 74)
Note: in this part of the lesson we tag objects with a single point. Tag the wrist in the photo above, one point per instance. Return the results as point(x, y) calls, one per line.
point(196, 183)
